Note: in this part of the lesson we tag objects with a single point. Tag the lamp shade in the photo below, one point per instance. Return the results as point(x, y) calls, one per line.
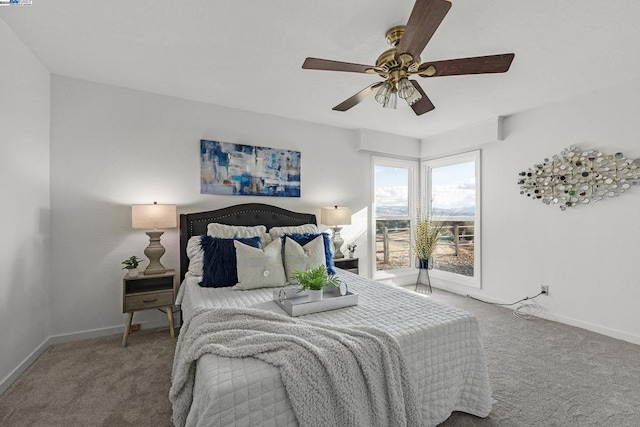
point(334, 216)
point(153, 216)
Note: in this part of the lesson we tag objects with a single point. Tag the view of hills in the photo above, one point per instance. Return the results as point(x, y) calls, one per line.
point(403, 211)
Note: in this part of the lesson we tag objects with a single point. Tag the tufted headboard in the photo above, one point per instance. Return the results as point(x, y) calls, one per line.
point(247, 214)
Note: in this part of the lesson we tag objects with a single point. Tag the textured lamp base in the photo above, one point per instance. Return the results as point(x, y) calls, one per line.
point(154, 252)
point(337, 241)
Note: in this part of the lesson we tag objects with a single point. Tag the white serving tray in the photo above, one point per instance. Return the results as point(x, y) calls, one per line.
point(296, 303)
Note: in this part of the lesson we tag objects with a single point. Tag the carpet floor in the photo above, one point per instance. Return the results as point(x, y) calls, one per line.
point(543, 373)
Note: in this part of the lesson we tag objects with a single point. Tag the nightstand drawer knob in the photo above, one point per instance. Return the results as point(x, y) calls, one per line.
point(146, 301)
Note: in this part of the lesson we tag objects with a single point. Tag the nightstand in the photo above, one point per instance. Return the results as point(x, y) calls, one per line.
point(349, 264)
point(145, 292)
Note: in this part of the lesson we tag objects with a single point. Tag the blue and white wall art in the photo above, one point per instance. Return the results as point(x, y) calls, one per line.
point(247, 170)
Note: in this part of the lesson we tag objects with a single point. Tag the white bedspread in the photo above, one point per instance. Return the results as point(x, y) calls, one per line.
point(334, 376)
point(441, 345)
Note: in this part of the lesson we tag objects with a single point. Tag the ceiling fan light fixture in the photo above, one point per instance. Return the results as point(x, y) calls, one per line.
point(392, 101)
point(384, 93)
point(405, 88)
point(402, 61)
point(414, 97)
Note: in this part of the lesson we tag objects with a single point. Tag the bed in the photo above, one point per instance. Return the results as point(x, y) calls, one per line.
point(441, 344)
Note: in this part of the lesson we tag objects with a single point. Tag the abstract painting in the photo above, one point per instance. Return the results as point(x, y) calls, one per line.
point(247, 170)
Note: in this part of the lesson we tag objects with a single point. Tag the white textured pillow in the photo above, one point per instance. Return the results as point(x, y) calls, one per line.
point(298, 257)
point(195, 255)
point(276, 232)
point(230, 231)
point(258, 268)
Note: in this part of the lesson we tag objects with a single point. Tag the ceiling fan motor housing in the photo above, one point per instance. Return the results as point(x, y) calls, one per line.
point(388, 67)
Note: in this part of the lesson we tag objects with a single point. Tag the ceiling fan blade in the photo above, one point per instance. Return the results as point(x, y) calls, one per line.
point(425, 19)
point(424, 105)
point(358, 97)
point(475, 65)
point(329, 65)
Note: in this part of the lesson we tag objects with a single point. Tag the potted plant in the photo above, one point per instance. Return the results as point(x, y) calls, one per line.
point(351, 247)
point(131, 265)
point(426, 239)
point(314, 280)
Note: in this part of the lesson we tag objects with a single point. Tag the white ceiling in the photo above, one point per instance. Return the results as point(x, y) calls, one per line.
point(247, 54)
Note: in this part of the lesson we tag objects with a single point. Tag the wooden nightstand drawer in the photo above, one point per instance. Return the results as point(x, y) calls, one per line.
point(148, 291)
point(148, 300)
point(349, 264)
point(147, 284)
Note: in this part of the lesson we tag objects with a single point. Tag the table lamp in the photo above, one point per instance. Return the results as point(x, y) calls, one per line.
point(153, 217)
point(334, 217)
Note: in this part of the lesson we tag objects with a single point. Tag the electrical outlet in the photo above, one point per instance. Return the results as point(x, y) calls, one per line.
point(135, 327)
point(544, 289)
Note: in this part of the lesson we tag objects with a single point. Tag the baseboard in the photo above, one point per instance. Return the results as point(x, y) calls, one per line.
point(83, 335)
point(64, 338)
point(546, 314)
point(610, 332)
point(102, 332)
point(23, 366)
point(464, 291)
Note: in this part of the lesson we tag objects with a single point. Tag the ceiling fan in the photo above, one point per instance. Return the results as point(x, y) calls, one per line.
point(395, 65)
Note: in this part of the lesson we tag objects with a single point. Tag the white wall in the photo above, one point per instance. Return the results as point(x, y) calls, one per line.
point(25, 283)
point(588, 255)
point(383, 143)
point(112, 147)
point(471, 137)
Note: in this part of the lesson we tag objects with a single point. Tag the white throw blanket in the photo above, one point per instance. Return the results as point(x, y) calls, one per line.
point(334, 376)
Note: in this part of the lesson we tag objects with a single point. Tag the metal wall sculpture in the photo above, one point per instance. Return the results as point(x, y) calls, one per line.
point(577, 176)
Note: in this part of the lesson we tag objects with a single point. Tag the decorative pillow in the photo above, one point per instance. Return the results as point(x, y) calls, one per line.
point(219, 261)
point(236, 231)
point(195, 254)
point(302, 257)
point(276, 232)
point(258, 268)
point(304, 238)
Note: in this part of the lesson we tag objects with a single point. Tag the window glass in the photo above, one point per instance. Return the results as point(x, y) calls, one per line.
point(393, 189)
point(393, 244)
point(453, 191)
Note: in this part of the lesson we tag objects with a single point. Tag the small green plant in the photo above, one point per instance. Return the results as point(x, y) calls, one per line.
point(351, 247)
point(315, 278)
point(131, 263)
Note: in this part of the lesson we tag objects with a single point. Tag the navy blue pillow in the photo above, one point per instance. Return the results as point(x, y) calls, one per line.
point(304, 238)
point(219, 265)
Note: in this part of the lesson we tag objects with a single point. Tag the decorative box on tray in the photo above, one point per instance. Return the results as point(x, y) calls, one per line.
point(297, 303)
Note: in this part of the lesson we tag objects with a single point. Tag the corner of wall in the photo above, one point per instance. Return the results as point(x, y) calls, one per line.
point(7, 381)
point(387, 143)
point(471, 137)
point(25, 303)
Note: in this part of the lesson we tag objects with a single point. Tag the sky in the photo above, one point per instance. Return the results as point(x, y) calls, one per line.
point(392, 190)
point(453, 187)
